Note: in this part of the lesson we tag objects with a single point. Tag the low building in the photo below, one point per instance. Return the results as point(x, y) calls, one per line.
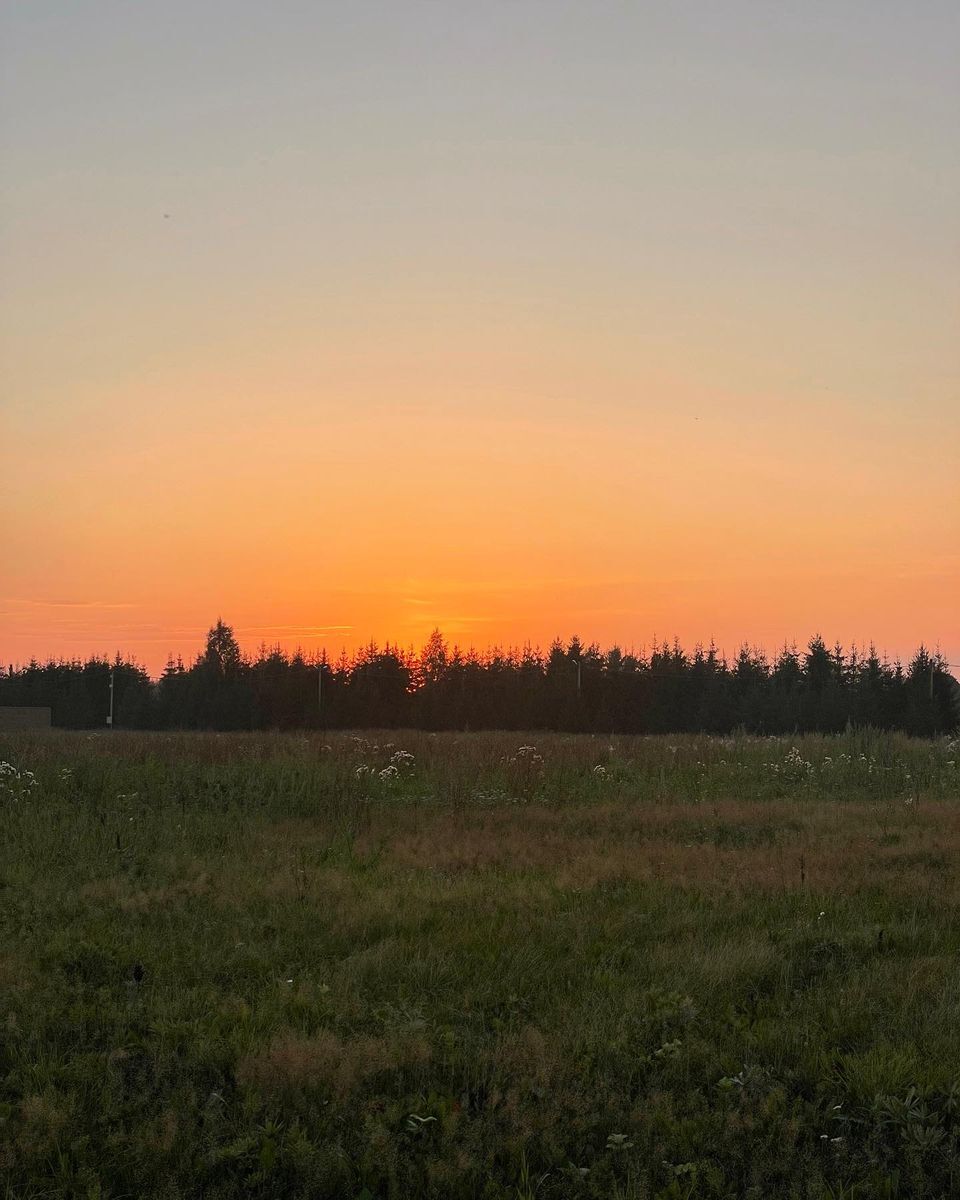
point(15, 718)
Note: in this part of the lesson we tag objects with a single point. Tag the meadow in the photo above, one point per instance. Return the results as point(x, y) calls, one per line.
point(480, 966)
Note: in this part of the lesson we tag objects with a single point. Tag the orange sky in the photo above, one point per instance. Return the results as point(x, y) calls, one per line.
point(498, 528)
point(615, 325)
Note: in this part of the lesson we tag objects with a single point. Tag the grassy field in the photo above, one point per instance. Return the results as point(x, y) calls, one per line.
point(458, 966)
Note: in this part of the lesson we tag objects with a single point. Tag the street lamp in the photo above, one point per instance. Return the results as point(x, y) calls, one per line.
point(320, 665)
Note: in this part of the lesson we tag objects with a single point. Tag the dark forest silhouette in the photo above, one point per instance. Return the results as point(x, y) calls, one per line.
point(572, 687)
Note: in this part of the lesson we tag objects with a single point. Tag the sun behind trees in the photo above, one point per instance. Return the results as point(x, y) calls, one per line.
point(572, 687)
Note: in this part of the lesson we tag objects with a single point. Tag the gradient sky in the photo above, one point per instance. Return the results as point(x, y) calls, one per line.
point(522, 319)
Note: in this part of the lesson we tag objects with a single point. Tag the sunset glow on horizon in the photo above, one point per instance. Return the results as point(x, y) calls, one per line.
point(351, 321)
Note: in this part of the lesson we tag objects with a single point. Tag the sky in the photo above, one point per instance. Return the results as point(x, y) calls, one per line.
point(349, 320)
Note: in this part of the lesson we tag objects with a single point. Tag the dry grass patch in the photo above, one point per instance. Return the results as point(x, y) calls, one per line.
point(325, 1062)
point(117, 890)
point(721, 846)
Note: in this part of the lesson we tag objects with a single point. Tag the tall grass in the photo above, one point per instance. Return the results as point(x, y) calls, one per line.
point(487, 966)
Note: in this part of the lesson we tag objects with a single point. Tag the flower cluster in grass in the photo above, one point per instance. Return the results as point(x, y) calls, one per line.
point(16, 784)
point(793, 767)
point(399, 768)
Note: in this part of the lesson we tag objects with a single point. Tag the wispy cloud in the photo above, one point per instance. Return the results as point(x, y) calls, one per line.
point(445, 622)
point(29, 603)
point(293, 628)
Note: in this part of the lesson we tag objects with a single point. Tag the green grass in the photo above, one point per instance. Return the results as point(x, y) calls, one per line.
point(252, 965)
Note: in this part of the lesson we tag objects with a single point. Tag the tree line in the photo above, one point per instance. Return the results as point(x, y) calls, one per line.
point(574, 687)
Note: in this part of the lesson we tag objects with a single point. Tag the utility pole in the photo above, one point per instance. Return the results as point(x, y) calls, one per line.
point(576, 663)
point(110, 713)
